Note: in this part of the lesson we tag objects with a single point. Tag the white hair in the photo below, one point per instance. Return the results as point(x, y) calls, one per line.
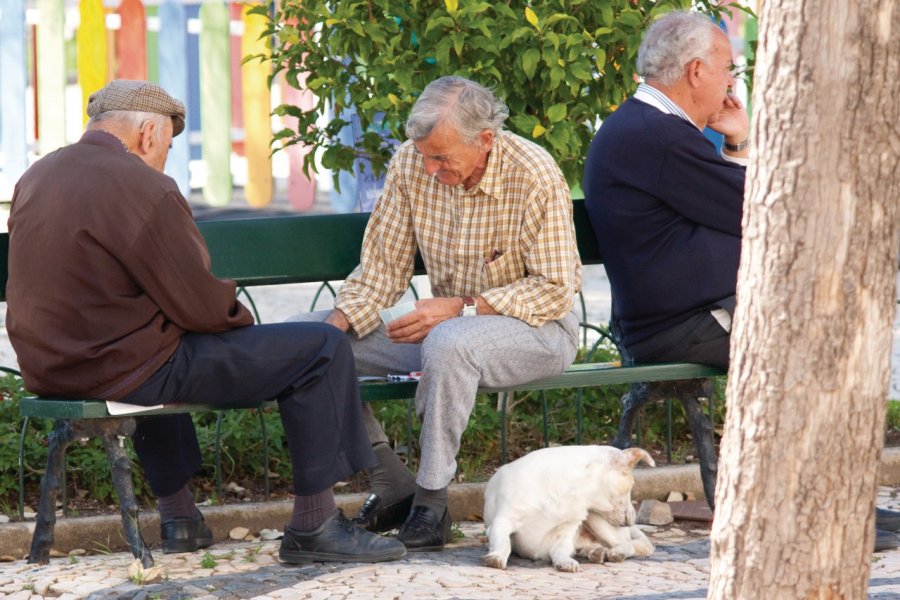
point(466, 106)
point(673, 41)
point(132, 119)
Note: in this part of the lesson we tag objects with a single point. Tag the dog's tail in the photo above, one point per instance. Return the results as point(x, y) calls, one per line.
point(635, 455)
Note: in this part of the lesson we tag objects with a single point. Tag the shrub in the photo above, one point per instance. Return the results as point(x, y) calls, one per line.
point(558, 64)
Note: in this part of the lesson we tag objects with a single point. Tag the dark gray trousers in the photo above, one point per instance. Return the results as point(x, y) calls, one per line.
point(308, 367)
point(698, 339)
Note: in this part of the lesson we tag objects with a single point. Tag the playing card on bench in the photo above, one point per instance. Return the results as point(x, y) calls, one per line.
point(395, 312)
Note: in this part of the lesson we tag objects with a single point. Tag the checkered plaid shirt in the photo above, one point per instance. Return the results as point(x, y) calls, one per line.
point(520, 213)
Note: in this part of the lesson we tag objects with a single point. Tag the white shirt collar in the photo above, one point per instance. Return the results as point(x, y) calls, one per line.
point(656, 98)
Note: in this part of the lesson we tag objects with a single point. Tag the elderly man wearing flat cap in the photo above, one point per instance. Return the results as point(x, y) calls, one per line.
point(110, 296)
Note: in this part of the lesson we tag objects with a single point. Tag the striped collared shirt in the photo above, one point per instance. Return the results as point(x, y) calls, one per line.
point(654, 97)
point(509, 239)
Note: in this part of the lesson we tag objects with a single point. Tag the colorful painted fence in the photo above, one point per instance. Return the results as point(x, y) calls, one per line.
point(55, 53)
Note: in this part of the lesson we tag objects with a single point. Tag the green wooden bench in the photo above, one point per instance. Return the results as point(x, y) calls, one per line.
point(323, 248)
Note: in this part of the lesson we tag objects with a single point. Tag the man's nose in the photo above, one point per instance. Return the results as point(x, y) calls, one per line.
point(432, 166)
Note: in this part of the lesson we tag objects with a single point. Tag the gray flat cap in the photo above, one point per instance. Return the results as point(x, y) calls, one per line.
point(140, 96)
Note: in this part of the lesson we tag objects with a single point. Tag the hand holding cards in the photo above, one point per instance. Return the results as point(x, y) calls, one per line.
point(395, 312)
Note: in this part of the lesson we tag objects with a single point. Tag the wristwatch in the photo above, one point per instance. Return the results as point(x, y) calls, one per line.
point(737, 147)
point(469, 309)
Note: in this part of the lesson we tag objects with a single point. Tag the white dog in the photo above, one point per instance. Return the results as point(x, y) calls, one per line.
point(559, 502)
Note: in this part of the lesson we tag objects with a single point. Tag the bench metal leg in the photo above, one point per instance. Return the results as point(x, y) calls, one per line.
point(503, 400)
point(703, 443)
point(22, 468)
point(63, 434)
point(218, 454)
point(265, 442)
point(688, 391)
point(545, 417)
point(58, 441)
point(120, 469)
point(637, 396)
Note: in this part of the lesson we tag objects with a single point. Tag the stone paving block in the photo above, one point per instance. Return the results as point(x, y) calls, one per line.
point(654, 512)
point(679, 567)
point(285, 593)
point(86, 589)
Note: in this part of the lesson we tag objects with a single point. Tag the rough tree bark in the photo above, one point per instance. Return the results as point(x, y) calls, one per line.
point(816, 299)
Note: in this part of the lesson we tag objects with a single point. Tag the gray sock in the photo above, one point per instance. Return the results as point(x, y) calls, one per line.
point(390, 478)
point(436, 500)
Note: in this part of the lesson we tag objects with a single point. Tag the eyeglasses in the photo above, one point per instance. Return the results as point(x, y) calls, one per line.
point(737, 71)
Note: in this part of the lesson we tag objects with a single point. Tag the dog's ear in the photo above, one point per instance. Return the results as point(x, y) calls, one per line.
point(635, 455)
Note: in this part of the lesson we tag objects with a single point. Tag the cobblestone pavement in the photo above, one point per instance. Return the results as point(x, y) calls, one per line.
point(678, 569)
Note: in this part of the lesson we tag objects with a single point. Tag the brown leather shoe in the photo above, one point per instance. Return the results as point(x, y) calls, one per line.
point(185, 534)
point(379, 517)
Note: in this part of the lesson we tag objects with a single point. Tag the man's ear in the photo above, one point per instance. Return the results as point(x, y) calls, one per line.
point(148, 136)
point(692, 72)
point(486, 139)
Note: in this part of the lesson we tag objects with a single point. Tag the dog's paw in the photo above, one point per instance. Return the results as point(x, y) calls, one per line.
point(569, 565)
point(494, 561)
point(597, 555)
point(643, 547)
point(613, 555)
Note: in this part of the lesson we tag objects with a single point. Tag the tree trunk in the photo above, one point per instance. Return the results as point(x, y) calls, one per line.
point(810, 358)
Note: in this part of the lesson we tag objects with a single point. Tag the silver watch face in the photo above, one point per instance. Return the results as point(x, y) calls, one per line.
point(469, 311)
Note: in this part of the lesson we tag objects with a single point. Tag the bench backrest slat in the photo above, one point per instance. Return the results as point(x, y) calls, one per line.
point(299, 248)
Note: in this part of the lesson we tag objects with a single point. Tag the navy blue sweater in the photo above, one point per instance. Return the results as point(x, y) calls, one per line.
point(666, 210)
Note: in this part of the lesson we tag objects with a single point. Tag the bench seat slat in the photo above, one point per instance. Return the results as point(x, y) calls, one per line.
point(594, 374)
point(576, 376)
point(60, 408)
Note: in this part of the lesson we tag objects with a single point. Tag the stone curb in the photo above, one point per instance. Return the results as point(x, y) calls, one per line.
point(104, 533)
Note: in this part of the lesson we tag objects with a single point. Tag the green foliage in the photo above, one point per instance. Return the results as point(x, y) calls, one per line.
point(11, 390)
point(208, 561)
point(558, 64)
point(893, 415)
point(242, 449)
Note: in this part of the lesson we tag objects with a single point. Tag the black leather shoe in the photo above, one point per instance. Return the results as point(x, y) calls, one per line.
point(886, 540)
point(887, 520)
point(338, 539)
point(375, 515)
point(424, 531)
point(185, 534)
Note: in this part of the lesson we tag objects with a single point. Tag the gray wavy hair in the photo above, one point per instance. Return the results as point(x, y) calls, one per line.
point(673, 41)
point(132, 119)
point(466, 106)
